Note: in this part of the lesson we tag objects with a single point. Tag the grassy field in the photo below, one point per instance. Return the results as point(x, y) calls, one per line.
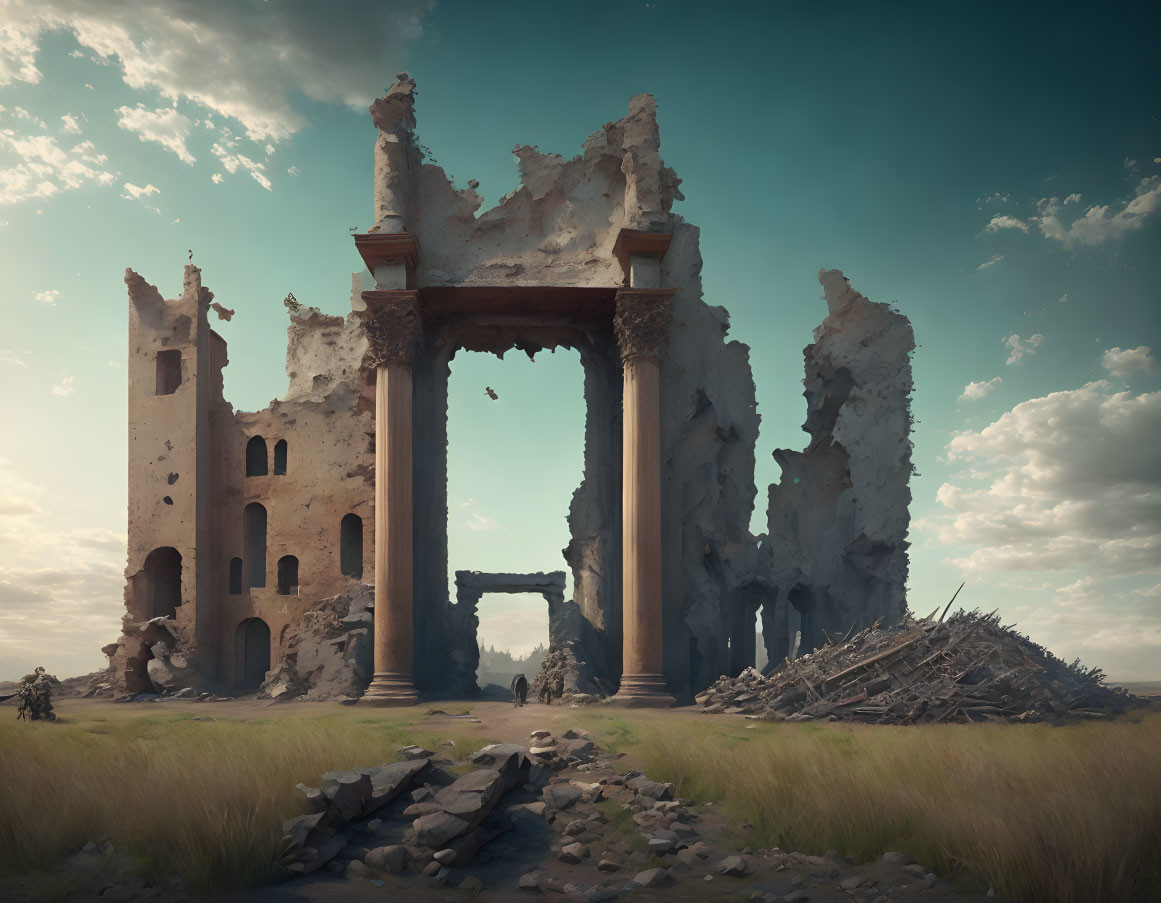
point(1043, 814)
point(203, 796)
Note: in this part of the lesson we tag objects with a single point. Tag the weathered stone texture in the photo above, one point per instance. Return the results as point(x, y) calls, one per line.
point(538, 271)
point(839, 517)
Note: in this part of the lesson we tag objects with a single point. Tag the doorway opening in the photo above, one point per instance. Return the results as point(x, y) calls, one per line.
point(513, 464)
point(163, 578)
point(252, 653)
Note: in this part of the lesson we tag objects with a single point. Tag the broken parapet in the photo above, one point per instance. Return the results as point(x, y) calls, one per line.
point(839, 515)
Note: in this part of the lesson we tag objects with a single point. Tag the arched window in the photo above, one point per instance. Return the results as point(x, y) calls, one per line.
point(256, 457)
point(254, 539)
point(288, 576)
point(280, 457)
point(351, 546)
point(163, 577)
point(235, 576)
point(251, 653)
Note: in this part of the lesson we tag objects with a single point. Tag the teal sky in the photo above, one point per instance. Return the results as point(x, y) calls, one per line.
point(994, 170)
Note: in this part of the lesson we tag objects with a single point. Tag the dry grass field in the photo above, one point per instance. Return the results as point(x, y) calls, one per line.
point(201, 795)
point(1042, 814)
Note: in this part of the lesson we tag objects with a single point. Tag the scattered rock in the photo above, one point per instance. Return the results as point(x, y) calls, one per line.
point(415, 752)
point(734, 866)
point(653, 878)
point(392, 859)
point(574, 852)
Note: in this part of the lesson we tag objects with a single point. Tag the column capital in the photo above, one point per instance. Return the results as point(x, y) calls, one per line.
point(393, 326)
point(641, 321)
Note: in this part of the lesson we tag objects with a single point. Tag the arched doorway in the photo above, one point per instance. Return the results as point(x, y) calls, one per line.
point(252, 655)
point(163, 579)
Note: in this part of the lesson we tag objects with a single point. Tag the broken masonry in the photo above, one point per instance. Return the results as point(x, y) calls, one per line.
point(255, 538)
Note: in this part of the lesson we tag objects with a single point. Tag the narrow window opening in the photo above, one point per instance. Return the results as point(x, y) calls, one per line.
point(235, 576)
point(351, 546)
point(254, 537)
point(288, 576)
point(280, 457)
point(168, 371)
point(256, 457)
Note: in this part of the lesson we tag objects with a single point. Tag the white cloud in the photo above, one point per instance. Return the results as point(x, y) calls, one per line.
point(165, 126)
point(1100, 223)
point(234, 162)
point(1003, 221)
point(1123, 362)
point(45, 168)
point(70, 124)
point(1063, 298)
point(65, 387)
point(974, 391)
point(134, 192)
point(217, 178)
point(996, 258)
point(293, 171)
point(1018, 347)
point(1101, 622)
point(8, 356)
point(49, 296)
point(479, 522)
point(249, 61)
point(1071, 480)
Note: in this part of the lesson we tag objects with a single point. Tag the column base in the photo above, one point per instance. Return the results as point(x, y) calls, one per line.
point(390, 689)
point(643, 691)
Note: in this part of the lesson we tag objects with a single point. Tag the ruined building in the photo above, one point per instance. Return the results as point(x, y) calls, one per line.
point(279, 547)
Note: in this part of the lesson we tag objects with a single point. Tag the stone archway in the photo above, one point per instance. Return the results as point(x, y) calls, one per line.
point(472, 585)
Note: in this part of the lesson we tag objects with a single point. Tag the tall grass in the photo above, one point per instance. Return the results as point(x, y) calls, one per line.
point(204, 798)
point(1043, 814)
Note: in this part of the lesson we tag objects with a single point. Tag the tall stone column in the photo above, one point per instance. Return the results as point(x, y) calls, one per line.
point(393, 328)
point(641, 323)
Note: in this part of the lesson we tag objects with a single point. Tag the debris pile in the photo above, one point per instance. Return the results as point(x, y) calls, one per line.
point(965, 669)
point(415, 815)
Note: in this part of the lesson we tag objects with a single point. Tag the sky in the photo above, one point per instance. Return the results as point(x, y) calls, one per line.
point(992, 169)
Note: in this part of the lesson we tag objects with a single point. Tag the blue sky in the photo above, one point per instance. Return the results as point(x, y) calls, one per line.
point(993, 171)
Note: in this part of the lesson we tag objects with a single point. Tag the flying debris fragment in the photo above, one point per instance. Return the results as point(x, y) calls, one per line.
point(491, 393)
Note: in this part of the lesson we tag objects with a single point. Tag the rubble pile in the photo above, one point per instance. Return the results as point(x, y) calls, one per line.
point(415, 815)
point(553, 816)
point(964, 669)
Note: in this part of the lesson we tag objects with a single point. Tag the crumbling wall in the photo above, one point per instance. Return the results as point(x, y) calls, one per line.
point(168, 474)
point(559, 228)
point(839, 515)
point(326, 419)
point(709, 427)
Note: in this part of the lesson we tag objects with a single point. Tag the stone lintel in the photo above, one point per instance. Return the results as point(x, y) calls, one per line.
point(380, 248)
point(635, 242)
